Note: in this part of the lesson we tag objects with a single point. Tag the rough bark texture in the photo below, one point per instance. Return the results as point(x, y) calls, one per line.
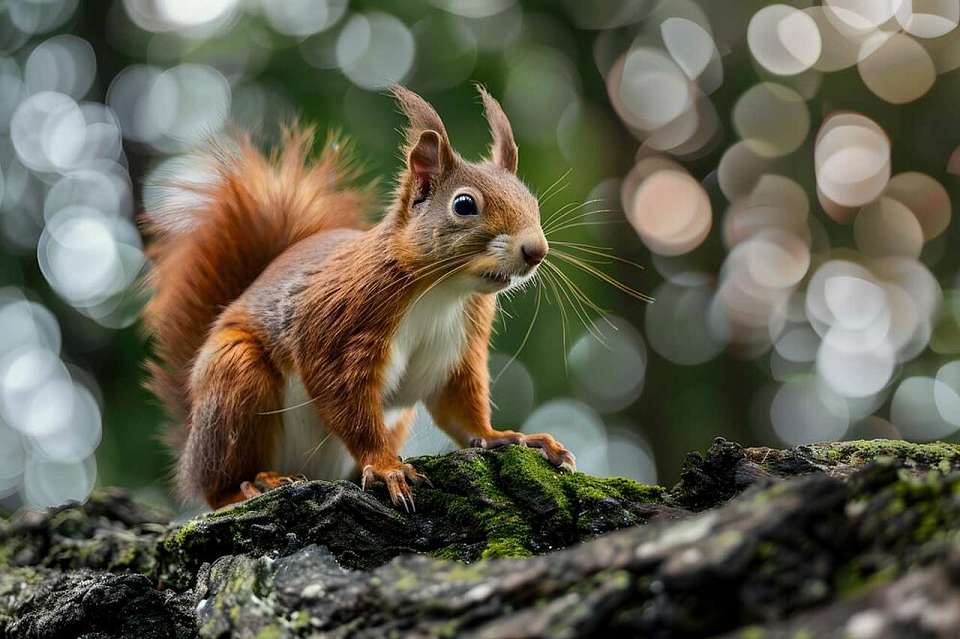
point(855, 539)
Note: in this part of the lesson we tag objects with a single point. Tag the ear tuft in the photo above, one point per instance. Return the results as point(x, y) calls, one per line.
point(428, 149)
point(503, 150)
point(419, 113)
point(425, 162)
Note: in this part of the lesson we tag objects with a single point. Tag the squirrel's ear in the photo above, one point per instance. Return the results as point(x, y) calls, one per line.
point(420, 114)
point(425, 162)
point(503, 150)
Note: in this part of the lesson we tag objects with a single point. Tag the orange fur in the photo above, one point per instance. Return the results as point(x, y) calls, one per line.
point(275, 275)
point(255, 209)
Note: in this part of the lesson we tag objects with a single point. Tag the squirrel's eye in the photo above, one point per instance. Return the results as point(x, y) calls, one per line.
point(465, 205)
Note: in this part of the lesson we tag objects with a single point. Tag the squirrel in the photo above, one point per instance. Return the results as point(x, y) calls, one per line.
point(279, 317)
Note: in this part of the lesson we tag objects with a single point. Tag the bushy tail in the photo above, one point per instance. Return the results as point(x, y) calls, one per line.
point(212, 237)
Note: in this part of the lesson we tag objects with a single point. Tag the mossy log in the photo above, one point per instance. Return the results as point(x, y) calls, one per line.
point(853, 539)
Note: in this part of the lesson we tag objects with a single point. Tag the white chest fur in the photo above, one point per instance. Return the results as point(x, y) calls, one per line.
point(427, 345)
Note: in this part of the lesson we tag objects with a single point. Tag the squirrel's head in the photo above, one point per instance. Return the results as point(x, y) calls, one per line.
point(476, 221)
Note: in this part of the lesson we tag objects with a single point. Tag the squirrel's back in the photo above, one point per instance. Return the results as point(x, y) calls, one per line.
point(209, 247)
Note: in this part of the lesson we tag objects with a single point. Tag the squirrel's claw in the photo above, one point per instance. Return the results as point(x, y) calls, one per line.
point(395, 479)
point(552, 450)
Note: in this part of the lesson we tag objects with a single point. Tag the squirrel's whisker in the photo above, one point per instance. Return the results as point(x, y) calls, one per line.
point(426, 272)
point(523, 342)
point(585, 301)
point(314, 451)
point(579, 220)
point(549, 277)
point(553, 216)
point(584, 223)
point(600, 251)
point(561, 218)
point(568, 209)
point(418, 275)
point(440, 279)
point(569, 219)
point(547, 194)
point(609, 279)
point(575, 304)
point(571, 208)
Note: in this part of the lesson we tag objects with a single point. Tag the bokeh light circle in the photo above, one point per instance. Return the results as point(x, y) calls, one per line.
point(926, 198)
point(899, 71)
point(653, 90)
point(676, 325)
point(800, 414)
point(301, 18)
point(775, 202)
point(887, 227)
point(772, 119)
point(784, 40)
point(852, 159)
point(375, 50)
point(671, 212)
point(915, 411)
point(609, 374)
point(862, 15)
point(64, 63)
point(693, 48)
point(928, 18)
point(512, 389)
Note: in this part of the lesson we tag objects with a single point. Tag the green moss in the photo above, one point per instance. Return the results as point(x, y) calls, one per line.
point(520, 504)
point(134, 557)
point(507, 533)
point(505, 548)
point(768, 494)
point(726, 540)
point(406, 582)
point(261, 504)
point(525, 473)
point(851, 579)
point(587, 489)
point(926, 499)
point(179, 537)
point(479, 503)
point(453, 552)
point(461, 572)
point(71, 522)
point(176, 563)
point(752, 632)
point(299, 620)
point(502, 503)
point(14, 586)
point(861, 452)
point(270, 632)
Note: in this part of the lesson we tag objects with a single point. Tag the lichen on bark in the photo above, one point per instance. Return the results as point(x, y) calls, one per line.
point(757, 542)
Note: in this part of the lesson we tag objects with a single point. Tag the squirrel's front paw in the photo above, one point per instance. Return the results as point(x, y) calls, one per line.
point(549, 447)
point(395, 476)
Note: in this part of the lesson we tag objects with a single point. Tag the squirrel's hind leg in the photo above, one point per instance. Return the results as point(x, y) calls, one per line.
point(232, 433)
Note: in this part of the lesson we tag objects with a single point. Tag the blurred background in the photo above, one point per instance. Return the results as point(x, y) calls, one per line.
point(784, 173)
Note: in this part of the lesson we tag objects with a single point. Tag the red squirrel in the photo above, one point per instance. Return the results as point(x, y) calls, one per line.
point(279, 317)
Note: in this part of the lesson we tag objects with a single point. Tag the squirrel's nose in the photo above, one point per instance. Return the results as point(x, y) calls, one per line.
point(533, 252)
